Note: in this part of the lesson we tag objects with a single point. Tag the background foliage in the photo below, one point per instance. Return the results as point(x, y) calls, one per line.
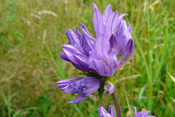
point(32, 31)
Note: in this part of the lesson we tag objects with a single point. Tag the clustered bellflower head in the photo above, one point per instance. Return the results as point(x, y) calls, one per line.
point(142, 113)
point(103, 113)
point(110, 50)
point(113, 37)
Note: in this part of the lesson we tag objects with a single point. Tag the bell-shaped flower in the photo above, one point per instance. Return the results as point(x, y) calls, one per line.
point(103, 57)
point(80, 45)
point(125, 43)
point(109, 88)
point(84, 86)
point(142, 113)
point(103, 113)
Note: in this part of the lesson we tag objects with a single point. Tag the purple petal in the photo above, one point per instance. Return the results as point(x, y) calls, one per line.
point(89, 85)
point(80, 63)
point(98, 66)
point(111, 111)
point(143, 113)
point(107, 12)
point(130, 29)
point(98, 21)
point(104, 67)
point(88, 42)
point(102, 47)
point(79, 35)
point(127, 53)
point(102, 112)
point(111, 24)
point(73, 38)
point(121, 17)
point(63, 56)
point(71, 50)
point(123, 36)
point(66, 85)
point(77, 58)
point(83, 27)
point(100, 52)
point(111, 67)
point(78, 99)
point(135, 109)
point(113, 42)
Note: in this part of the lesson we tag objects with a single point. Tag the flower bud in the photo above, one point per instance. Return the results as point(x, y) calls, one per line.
point(109, 88)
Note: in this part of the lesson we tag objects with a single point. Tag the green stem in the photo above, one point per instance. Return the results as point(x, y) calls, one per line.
point(150, 62)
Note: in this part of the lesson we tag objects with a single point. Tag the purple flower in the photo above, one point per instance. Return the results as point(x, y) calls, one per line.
point(113, 37)
point(84, 86)
point(103, 113)
point(80, 45)
point(125, 43)
point(109, 88)
point(142, 113)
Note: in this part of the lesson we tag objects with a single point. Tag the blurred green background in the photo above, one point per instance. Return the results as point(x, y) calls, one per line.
point(32, 31)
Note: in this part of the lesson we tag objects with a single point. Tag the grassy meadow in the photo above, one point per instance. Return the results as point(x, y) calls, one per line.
point(32, 31)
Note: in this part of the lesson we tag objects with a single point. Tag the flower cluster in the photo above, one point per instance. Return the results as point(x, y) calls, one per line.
point(97, 57)
point(113, 37)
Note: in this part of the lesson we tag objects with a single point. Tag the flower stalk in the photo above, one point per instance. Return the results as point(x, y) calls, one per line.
point(117, 104)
